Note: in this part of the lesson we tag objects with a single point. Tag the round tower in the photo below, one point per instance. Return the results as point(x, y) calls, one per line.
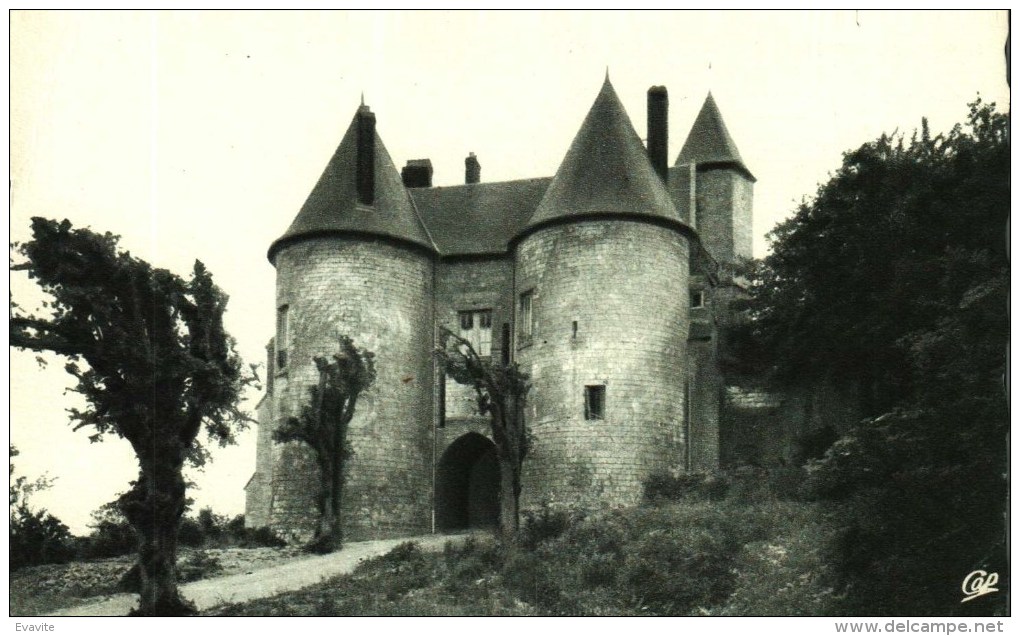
point(357, 261)
point(602, 321)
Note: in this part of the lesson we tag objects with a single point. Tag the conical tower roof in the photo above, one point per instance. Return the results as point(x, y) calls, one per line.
point(333, 208)
point(606, 171)
point(709, 141)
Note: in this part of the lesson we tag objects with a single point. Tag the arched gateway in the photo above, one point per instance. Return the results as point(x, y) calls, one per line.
point(467, 485)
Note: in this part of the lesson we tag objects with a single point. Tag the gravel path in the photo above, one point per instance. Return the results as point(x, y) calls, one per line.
point(292, 575)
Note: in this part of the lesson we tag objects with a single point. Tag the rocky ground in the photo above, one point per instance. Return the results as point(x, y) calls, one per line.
point(45, 588)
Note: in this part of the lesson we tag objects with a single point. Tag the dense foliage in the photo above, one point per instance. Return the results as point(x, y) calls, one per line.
point(323, 425)
point(893, 280)
point(36, 536)
point(152, 360)
point(719, 558)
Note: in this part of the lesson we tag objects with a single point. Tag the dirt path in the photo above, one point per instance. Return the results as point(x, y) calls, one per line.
point(266, 582)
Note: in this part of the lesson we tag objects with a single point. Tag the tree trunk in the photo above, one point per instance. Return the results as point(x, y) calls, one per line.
point(154, 507)
point(328, 535)
point(508, 508)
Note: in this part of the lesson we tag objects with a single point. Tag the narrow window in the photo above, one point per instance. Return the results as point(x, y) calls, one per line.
point(524, 315)
point(282, 336)
point(697, 299)
point(506, 343)
point(484, 330)
point(595, 402)
point(687, 425)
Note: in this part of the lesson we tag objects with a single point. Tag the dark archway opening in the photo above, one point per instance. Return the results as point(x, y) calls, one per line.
point(467, 485)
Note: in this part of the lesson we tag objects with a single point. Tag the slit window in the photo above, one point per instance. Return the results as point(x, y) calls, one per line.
point(282, 336)
point(524, 315)
point(476, 328)
point(697, 299)
point(595, 402)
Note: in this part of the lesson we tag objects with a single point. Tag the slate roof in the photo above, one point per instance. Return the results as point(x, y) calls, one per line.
point(709, 141)
point(332, 207)
point(606, 170)
point(479, 218)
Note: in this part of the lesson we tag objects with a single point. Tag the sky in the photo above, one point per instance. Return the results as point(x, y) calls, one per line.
point(198, 135)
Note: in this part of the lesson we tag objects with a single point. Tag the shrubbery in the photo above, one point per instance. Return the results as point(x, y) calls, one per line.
point(112, 535)
point(671, 559)
point(36, 536)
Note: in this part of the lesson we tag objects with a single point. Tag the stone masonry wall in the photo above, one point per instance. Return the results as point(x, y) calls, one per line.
point(704, 389)
point(625, 285)
point(258, 492)
point(762, 427)
point(471, 285)
point(724, 199)
point(380, 294)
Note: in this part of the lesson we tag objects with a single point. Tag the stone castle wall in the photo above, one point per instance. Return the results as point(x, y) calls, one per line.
point(471, 285)
point(624, 285)
point(380, 294)
point(724, 201)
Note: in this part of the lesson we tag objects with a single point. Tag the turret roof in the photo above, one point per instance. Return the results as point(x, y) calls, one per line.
point(333, 207)
point(709, 141)
point(605, 171)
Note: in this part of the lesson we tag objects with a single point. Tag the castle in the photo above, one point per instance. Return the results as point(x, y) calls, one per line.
point(606, 283)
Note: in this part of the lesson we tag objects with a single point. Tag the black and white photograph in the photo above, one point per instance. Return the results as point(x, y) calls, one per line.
point(483, 313)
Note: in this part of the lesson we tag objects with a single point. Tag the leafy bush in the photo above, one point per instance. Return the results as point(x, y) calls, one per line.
point(190, 533)
point(546, 522)
point(198, 565)
point(263, 537)
point(695, 486)
point(37, 537)
point(532, 578)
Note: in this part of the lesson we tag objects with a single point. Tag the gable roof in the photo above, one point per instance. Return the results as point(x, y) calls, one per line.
point(478, 218)
point(333, 207)
point(605, 171)
point(709, 141)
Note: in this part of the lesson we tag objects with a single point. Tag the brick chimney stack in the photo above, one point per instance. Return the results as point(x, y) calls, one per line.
point(658, 130)
point(417, 173)
point(366, 156)
point(472, 169)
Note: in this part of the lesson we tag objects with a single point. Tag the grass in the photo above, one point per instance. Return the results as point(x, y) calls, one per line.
point(689, 558)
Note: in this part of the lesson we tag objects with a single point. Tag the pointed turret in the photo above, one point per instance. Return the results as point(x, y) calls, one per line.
point(709, 142)
point(359, 192)
point(606, 171)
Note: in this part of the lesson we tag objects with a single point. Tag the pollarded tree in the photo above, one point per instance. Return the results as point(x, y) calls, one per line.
point(323, 425)
point(154, 364)
point(502, 391)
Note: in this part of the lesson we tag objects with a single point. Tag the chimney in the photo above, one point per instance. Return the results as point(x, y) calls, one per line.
point(658, 130)
point(472, 169)
point(366, 156)
point(417, 174)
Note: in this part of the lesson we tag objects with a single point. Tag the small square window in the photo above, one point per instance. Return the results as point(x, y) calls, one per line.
point(697, 299)
point(595, 402)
